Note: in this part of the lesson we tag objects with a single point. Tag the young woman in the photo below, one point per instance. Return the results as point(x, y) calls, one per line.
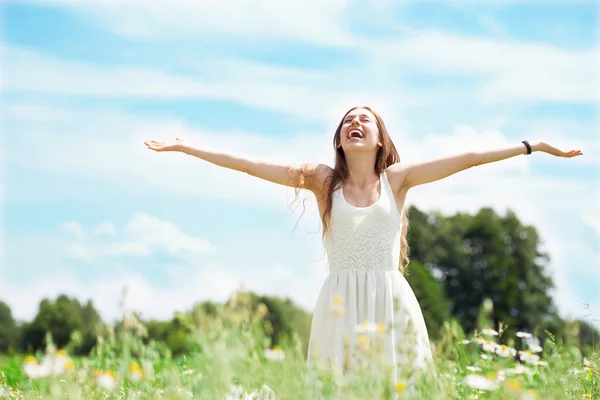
point(365, 306)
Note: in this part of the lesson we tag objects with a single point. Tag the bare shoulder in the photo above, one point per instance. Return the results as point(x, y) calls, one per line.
point(396, 175)
point(317, 177)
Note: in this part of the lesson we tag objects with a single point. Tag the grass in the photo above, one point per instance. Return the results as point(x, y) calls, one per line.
point(4, 360)
point(233, 359)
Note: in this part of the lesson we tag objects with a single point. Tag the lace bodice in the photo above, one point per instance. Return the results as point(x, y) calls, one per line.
point(364, 238)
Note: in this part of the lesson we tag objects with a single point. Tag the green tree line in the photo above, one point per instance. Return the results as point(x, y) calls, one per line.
point(457, 262)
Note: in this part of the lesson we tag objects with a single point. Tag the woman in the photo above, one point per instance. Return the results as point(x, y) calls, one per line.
point(365, 307)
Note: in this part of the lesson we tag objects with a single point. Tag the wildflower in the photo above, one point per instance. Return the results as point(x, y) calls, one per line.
point(58, 363)
point(337, 305)
point(473, 369)
point(33, 369)
point(524, 335)
point(338, 311)
point(274, 354)
point(465, 341)
point(505, 351)
point(519, 369)
point(489, 332)
point(486, 357)
point(363, 342)
point(135, 372)
point(587, 396)
point(369, 327)
point(528, 357)
point(480, 340)
point(496, 376)
point(480, 382)
point(529, 395)
point(401, 386)
point(534, 348)
point(542, 363)
point(105, 379)
point(532, 341)
point(489, 346)
point(515, 385)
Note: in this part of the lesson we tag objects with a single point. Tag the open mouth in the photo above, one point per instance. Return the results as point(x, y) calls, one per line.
point(355, 134)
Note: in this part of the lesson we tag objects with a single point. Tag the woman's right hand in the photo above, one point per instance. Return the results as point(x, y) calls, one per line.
point(155, 145)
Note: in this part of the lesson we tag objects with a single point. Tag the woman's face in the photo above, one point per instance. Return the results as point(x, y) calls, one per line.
point(359, 131)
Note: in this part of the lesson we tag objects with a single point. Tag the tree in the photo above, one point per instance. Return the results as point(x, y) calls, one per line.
point(91, 324)
point(285, 318)
point(485, 256)
point(430, 293)
point(62, 318)
point(8, 329)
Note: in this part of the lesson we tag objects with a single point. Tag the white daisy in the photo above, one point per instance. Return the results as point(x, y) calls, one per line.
point(480, 382)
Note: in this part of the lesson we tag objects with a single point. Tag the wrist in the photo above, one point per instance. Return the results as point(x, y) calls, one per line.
point(537, 146)
point(183, 148)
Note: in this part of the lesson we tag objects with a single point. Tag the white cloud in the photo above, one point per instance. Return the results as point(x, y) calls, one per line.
point(287, 90)
point(105, 228)
point(185, 283)
point(510, 184)
point(508, 69)
point(136, 249)
point(309, 21)
point(152, 301)
point(78, 252)
point(497, 70)
point(74, 228)
point(155, 233)
point(142, 237)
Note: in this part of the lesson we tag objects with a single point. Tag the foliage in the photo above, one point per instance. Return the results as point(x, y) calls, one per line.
point(62, 318)
point(8, 329)
point(429, 291)
point(234, 359)
point(469, 273)
point(486, 256)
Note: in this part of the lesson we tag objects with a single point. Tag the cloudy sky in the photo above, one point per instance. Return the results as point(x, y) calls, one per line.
point(88, 210)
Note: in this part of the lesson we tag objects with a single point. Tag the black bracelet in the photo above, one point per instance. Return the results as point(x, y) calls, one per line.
point(526, 143)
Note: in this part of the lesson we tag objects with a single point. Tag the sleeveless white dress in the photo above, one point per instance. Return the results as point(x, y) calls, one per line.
point(366, 309)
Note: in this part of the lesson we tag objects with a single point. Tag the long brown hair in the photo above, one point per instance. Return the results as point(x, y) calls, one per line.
point(386, 155)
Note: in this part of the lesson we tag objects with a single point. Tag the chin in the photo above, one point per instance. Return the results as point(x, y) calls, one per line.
point(359, 147)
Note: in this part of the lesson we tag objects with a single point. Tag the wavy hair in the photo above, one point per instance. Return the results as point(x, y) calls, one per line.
point(387, 155)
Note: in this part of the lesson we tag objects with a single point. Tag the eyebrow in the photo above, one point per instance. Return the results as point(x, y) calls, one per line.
point(361, 115)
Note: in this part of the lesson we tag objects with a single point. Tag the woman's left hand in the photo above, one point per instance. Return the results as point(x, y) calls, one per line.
point(547, 148)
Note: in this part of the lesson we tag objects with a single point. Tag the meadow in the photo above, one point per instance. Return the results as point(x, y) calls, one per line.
point(234, 359)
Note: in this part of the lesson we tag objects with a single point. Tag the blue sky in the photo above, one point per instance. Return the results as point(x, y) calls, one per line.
point(88, 210)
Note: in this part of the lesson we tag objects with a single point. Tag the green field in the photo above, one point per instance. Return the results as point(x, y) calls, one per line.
point(232, 359)
point(4, 359)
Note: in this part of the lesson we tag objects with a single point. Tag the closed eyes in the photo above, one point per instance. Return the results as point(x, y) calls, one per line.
point(365, 119)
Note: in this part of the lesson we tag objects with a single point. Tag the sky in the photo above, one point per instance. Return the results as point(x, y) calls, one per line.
point(89, 211)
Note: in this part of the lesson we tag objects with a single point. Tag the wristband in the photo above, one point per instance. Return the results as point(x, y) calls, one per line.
point(526, 143)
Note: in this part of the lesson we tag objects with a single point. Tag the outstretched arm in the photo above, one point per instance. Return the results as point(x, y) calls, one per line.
point(303, 176)
point(430, 171)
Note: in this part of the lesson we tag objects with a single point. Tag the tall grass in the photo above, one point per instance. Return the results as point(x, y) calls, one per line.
point(234, 359)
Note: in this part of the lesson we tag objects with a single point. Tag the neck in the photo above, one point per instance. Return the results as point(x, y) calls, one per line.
point(361, 168)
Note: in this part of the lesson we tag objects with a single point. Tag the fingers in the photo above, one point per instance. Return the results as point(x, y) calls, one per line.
point(572, 153)
point(154, 145)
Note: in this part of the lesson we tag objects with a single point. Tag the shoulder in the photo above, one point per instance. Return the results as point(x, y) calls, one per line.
point(317, 176)
point(396, 175)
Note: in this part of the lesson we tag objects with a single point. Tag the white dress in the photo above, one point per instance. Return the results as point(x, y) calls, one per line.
point(366, 308)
